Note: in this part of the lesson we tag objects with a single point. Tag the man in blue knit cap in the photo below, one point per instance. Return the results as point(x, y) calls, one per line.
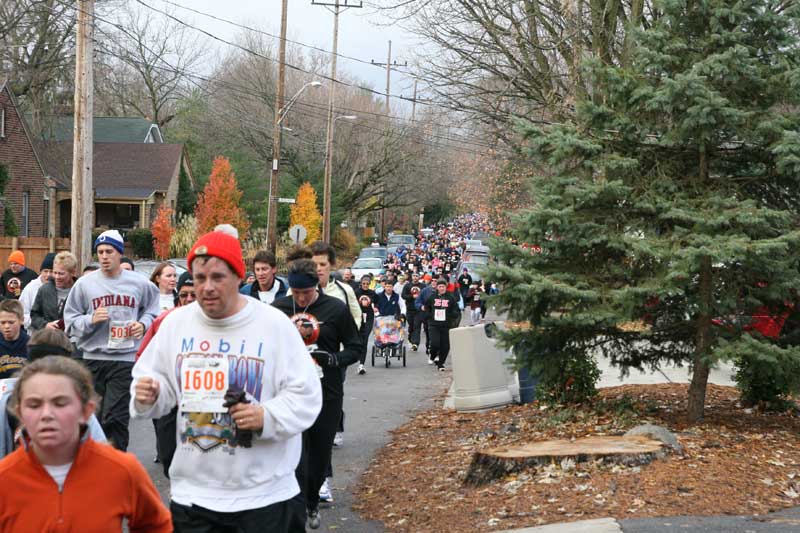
point(107, 313)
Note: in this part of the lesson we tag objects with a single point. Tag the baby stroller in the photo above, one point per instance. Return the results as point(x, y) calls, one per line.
point(389, 340)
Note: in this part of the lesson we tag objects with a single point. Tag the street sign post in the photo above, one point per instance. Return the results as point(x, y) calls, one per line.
point(298, 233)
point(286, 200)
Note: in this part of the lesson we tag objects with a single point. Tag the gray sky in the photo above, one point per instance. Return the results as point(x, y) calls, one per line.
point(361, 34)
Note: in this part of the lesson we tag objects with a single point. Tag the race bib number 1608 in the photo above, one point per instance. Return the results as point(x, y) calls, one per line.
point(204, 382)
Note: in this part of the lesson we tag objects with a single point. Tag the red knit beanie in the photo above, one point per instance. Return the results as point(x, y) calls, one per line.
point(221, 245)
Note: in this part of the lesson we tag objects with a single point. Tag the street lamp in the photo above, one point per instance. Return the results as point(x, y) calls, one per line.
point(285, 109)
point(326, 210)
point(272, 208)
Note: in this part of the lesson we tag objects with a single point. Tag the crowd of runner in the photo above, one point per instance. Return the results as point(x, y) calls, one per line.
point(244, 382)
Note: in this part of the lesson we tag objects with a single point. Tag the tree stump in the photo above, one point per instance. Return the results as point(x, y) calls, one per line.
point(496, 463)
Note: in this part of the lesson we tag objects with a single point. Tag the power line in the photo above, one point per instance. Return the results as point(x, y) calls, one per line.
point(190, 75)
point(289, 65)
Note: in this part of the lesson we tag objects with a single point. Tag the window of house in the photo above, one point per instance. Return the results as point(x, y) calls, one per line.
point(26, 208)
point(2, 122)
point(46, 217)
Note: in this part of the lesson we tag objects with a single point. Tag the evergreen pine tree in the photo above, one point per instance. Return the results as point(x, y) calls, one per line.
point(186, 195)
point(672, 199)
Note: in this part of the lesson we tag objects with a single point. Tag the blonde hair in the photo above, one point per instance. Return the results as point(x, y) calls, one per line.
point(54, 365)
point(67, 260)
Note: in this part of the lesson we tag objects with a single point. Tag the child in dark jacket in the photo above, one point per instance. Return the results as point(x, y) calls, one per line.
point(13, 338)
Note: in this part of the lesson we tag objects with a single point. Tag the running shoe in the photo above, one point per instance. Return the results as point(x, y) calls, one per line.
point(313, 519)
point(338, 439)
point(441, 369)
point(325, 495)
point(430, 361)
point(361, 370)
point(414, 347)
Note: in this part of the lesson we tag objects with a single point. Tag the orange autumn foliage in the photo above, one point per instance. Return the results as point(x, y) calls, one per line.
point(162, 231)
point(219, 201)
point(306, 212)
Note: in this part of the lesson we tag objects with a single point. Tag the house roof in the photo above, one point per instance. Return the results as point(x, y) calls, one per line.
point(120, 170)
point(34, 147)
point(106, 129)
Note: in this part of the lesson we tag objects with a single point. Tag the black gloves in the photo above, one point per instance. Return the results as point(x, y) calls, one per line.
point(325, 359)
point(241, 437)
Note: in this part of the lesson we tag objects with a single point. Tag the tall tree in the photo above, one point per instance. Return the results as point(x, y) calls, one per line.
point(656, 208)
point(162, 230)
point(219, 201)
point(145, 67)
point(499, 60)
point(305, 211)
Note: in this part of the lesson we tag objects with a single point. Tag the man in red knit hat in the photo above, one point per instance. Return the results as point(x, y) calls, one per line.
point(245, 390)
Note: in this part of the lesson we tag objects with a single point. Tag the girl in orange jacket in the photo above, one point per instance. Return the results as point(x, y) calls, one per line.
point(62, 480)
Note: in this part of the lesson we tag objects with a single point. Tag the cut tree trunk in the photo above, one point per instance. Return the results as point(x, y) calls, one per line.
point(495, 463)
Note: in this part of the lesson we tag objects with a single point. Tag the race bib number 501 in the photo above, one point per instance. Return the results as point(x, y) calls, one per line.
point(204, 382)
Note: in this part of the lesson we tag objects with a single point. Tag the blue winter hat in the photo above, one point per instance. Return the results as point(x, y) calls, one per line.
point(111, 237)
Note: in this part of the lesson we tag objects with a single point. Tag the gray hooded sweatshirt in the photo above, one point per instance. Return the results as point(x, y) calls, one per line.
point(129, 298)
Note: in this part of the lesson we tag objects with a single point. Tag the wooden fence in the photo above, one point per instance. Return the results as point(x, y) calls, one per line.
point(34, 248)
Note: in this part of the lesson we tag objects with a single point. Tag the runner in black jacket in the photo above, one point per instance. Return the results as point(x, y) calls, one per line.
point(325, 324)
point(442, 310)
point(410, 293)
point(366, 300)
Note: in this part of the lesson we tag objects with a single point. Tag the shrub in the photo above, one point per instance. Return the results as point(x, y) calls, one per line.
point(141, 240)
point(184, 236)
point(345, 243)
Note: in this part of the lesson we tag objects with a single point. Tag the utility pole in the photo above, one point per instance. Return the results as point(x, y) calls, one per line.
point(388, 66)
point(272, 195)
point(82, 216)
point(326, 192)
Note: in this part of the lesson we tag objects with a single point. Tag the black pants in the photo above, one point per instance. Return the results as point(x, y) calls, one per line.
point(440, 342)
point(420, 323)
point(196, 519)
point(411, 314)
point(166, 440)
point(317, 446)
point(364, 331)
point(112, 382)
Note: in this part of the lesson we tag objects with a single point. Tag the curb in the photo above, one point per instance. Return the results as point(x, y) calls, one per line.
point(598, 525)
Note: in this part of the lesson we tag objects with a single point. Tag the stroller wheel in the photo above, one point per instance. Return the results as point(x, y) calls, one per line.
point(387, 357)
point(403, 349)
point(373, 356)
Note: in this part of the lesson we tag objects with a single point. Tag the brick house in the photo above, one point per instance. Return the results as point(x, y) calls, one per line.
point(29, 191)
point(134, 172)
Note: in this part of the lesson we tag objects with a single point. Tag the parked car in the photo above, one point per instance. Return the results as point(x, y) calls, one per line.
point(181, 262)
point(477, 254)
point(472, 269)
point(146, 267)
point(367, 265)
point(374, 252)
point(397, 240)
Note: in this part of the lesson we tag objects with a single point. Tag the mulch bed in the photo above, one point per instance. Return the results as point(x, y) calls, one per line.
point(737, 461)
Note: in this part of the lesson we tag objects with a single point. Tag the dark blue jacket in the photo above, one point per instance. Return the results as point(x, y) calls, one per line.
point(251, 289)
point(388, 305)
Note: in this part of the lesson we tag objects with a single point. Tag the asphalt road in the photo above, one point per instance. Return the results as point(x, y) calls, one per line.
point(374, 404)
